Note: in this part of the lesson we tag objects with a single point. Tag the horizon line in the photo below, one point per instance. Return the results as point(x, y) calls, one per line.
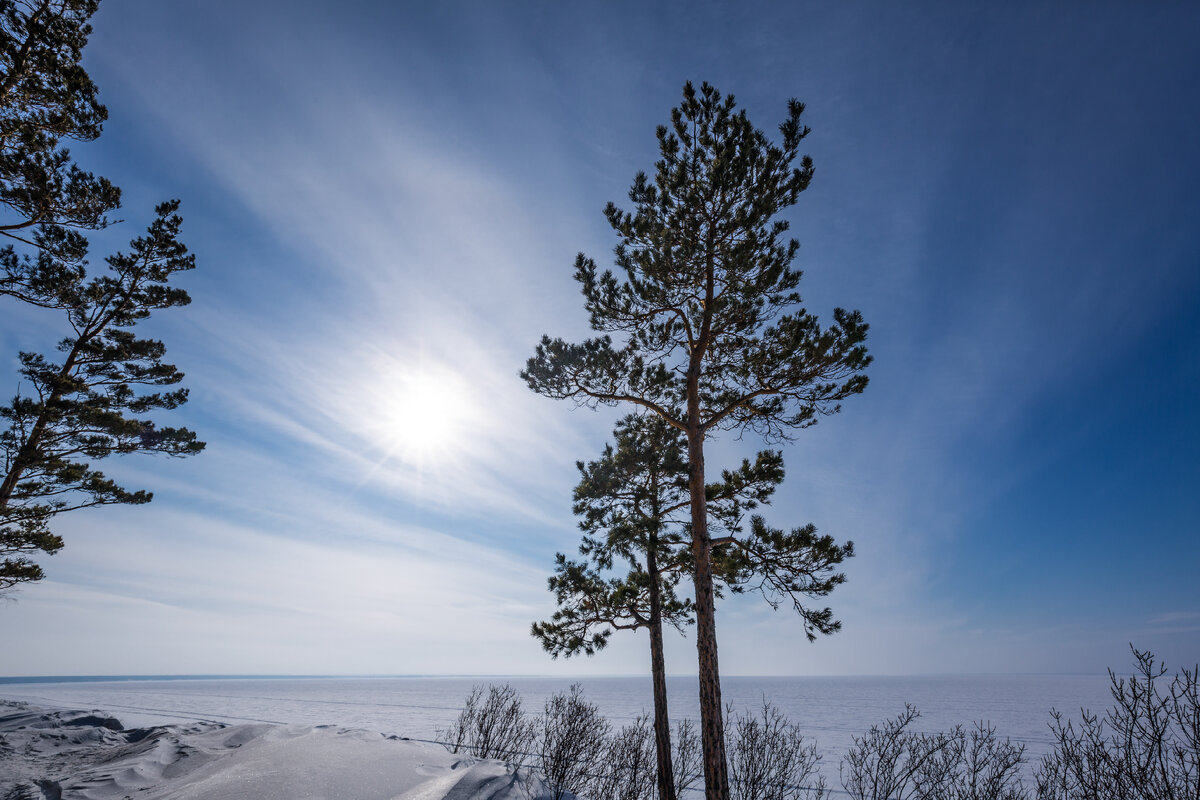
point(122, 678)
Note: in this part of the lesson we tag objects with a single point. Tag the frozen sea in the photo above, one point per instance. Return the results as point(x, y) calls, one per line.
point(830, 710)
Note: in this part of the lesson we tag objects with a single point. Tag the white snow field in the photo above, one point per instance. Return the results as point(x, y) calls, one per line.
point(46, 754)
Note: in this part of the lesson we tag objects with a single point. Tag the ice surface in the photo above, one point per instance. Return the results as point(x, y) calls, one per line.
point(829, 710)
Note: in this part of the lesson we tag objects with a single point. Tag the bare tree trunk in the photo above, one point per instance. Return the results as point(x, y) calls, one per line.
point(658, 669)
point(712, 728)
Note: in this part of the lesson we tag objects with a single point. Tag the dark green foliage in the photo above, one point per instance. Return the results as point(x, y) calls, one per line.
point(743, 489)
point(625, 501)
point(592, 606)
point(90, 403)
point(785, 567)
point(47, 97)
point(633, 491)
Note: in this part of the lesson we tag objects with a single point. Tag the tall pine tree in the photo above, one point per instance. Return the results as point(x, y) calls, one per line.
point(713, 333)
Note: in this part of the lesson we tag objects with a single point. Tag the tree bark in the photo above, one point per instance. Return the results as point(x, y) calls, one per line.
point(712, 727)
point(658, 670)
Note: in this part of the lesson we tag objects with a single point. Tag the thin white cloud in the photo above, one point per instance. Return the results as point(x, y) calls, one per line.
point(404, 602)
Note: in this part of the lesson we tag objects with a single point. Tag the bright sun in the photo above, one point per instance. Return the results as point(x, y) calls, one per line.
point(426, 415)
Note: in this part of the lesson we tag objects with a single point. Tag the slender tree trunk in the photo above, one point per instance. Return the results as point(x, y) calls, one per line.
point(658, 670)
point(712, 727)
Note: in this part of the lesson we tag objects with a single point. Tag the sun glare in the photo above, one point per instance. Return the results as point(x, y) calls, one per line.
point(426, 416)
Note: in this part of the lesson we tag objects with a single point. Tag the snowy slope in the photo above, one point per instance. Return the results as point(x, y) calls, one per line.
point(87, 755)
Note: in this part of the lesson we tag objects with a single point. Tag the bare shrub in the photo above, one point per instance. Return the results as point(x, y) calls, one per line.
point(571, 745)
point(769, 759)
point(892, 762)
point(987, 768)
point(1146, 747)
point(686, 762)
point(494, 726)
point(885, 762)
point(629, 770)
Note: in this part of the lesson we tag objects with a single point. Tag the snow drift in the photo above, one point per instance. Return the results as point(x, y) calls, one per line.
point(48, 754)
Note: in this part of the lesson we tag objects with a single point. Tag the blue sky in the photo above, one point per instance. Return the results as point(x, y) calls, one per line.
point(386, 200)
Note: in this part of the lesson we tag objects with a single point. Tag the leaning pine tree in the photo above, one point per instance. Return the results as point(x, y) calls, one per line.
point(93, 401)
point(714, 337)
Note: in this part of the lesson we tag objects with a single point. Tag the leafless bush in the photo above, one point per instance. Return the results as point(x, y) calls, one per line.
point(571, 745)
point(987, 768)
point(494, 726)
point(1146, 747)
point(686, 761)
point(630, 767)
point(885, 763)
point(769, 759)
point(892, 762)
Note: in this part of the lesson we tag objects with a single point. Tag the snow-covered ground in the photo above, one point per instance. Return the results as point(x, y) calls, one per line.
point(47, 754)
